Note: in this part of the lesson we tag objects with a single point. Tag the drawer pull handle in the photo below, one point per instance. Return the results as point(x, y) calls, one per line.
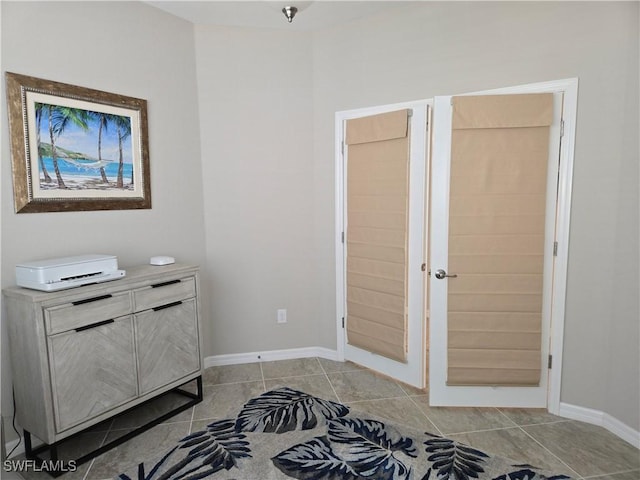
point(94, 325)
point(92, 299)
point(168, 305)
point(164, 284)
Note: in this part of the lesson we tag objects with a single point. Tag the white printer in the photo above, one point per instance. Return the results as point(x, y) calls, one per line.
point(68, 272)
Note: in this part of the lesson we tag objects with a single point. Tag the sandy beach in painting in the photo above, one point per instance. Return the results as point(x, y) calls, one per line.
point(84, 182)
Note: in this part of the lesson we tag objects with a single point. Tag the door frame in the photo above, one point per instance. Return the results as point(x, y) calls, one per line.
point(415, 374)
point(569, 87)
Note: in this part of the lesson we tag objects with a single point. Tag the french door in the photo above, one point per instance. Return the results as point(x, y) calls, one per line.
point(380, 224)
point(497, 221)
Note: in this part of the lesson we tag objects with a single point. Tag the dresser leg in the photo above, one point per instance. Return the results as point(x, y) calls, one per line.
point(53, 467)
point(27, 444)
point(53, 452)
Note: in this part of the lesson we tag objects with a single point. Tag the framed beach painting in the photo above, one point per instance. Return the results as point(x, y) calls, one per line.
point(74, 148)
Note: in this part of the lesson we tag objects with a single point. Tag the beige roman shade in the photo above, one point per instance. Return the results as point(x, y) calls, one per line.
point(377, 204)
point(499, 156)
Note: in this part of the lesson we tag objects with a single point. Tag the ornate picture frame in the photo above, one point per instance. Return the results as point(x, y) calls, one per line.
point(75, 148)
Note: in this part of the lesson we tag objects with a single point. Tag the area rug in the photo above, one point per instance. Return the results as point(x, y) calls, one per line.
point(285, 433)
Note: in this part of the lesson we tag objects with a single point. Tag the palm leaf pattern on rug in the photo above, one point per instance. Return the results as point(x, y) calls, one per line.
point(285, 410)
point(454, 461)
point(352, 448)
point(209, 451)
point(314, 460)
point(319, 439)
point(370, 446)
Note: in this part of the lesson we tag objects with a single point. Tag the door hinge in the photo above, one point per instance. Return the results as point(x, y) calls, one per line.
point(550, 362)
point(342, 148)
point(561, 128)
point(342, 322)
point(342, 237)
point(555, 249)
point(423, 267)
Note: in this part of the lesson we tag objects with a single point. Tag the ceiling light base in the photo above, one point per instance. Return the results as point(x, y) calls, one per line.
point(289, 12)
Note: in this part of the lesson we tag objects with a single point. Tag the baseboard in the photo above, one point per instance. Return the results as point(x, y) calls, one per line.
point(269, 356)
point(602, 419)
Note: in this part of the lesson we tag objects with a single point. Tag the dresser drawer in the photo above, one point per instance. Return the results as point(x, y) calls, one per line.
point(163, 293)
point(88, 311)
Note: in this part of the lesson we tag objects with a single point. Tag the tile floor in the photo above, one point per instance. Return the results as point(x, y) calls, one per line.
point(528, 436)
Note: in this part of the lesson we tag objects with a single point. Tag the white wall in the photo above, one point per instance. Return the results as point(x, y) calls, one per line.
point(131, 49)
point(256, 93)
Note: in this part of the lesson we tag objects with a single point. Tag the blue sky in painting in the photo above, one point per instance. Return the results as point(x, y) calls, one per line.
point(75, 139)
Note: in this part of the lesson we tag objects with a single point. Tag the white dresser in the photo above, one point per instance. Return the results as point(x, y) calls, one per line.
point(83, 355)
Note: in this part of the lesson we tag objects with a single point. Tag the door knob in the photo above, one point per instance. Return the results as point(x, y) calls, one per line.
point(440, 274)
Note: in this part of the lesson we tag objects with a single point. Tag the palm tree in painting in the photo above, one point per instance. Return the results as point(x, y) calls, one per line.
point(59, 119)
point(123, 128)
point(41, 109)
point(103, 124)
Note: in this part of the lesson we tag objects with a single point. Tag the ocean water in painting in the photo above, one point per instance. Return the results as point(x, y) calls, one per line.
point(68, 168)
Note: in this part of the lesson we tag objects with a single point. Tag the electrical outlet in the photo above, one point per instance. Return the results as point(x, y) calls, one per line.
point(282, 315)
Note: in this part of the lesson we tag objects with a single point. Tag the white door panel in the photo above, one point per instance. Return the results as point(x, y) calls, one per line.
point(413, 371)
point(441, 394)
